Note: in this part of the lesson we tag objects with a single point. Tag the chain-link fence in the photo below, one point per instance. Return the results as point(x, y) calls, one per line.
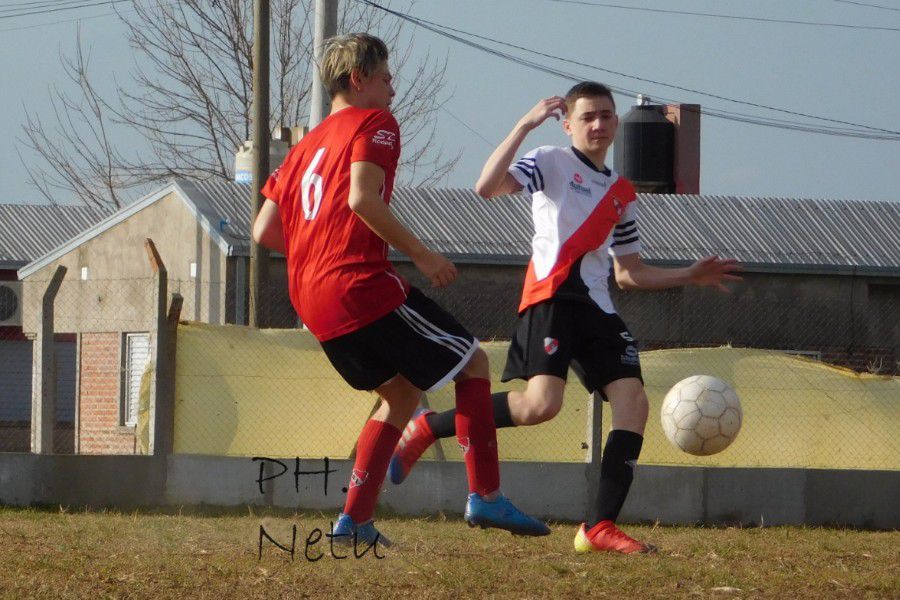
point(272, 392)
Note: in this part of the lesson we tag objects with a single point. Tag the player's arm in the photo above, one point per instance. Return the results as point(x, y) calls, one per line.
point(267, 229)
point(633, 273)
point(366, 181)
point(495, 179)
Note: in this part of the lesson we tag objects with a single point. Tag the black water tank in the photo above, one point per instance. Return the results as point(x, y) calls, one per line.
point(644, 150)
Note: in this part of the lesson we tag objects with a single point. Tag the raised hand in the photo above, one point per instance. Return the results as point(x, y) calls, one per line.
point(714, 271)
point(554, 106)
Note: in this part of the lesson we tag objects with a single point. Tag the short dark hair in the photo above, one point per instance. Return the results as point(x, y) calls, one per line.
point(587, 89)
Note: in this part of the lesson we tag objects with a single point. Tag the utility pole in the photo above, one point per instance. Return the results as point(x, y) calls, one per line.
point(259, 256)
point(325, 27)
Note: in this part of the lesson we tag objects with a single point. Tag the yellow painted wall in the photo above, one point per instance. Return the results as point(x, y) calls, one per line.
point(273, 393)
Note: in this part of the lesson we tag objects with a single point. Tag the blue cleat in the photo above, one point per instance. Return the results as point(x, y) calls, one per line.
point(348, 533)
point(503, 515)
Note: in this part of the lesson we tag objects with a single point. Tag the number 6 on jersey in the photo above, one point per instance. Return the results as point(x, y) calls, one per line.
point(312, 179)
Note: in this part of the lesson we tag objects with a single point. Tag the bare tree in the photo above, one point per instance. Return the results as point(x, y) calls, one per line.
point(189, 100)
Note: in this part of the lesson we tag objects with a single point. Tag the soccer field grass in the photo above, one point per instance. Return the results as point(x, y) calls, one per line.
point(78, 554)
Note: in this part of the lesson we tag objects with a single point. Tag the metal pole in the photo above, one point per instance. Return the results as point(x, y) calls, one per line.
point(325, 27)
point(259, 256)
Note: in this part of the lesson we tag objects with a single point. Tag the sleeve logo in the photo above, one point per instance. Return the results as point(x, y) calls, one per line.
point(384, 138)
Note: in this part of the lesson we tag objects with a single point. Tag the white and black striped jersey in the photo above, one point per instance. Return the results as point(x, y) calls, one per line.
point(582, 215)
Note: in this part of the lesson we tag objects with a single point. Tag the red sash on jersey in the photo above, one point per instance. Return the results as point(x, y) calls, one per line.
point(590, 236)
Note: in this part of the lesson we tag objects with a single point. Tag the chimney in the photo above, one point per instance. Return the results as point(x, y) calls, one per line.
point(686, 118)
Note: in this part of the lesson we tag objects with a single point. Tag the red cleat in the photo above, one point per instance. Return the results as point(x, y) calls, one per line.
point(606, 537)
point(416, 439)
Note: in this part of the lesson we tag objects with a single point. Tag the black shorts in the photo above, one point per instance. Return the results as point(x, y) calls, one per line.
point(418, 340)
point(555, 334)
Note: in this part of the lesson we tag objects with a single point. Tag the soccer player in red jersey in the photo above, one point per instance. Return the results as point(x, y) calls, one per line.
point(586, 221)
point(327, 211)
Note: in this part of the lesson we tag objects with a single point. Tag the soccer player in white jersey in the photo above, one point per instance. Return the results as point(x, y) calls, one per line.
point(583, 214)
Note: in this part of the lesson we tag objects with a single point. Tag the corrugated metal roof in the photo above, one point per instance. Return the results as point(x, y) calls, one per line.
point(227, 207)
point(772, 231)
point(780, 232)
point(776, 232)
point(28, 231)
point(459, 222)
point(769, 233)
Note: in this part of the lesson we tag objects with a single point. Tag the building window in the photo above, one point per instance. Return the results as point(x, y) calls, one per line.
point(136, 356)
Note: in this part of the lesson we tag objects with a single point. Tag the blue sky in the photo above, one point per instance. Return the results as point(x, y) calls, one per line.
point(839, 73)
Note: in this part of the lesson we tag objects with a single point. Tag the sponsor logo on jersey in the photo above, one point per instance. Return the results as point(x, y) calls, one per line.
point(578, 178)
point(385, 138)
point(357, 478)
point(463, 444)
point(576, 186)
point(551, 345)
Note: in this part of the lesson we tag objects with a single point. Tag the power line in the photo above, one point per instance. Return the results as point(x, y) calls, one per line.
point(40, 3)
point(65, 21)
point(868, 5)
point(876, 133)
point(457, 119)
point(721, 16)
point(62, 8)
point(22, 6)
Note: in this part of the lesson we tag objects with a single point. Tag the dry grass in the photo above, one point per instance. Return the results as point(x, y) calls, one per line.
point(61, 554)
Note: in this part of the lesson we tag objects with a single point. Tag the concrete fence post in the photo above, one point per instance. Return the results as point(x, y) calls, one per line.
point(162, 336)
point(594, 448)
point(43, 371)
point(162, 441)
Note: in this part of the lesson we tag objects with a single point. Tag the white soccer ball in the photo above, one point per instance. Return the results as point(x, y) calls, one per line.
point(701, 415)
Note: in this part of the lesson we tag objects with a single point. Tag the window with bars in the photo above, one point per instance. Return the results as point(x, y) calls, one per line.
point(136, 357)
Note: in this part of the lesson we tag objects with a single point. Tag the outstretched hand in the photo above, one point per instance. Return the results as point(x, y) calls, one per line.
point(548, 107)
point(714, 271)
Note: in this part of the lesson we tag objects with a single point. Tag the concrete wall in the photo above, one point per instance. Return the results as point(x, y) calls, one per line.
point(852, 320)
point(117, 294)
point(670, 495)
point(117, 298)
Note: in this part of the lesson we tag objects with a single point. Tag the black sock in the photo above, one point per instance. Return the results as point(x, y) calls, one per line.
point(616, 473)
point(443, 425)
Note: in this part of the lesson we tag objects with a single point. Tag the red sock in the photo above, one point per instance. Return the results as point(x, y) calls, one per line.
point(477, 434)
point(373, 453)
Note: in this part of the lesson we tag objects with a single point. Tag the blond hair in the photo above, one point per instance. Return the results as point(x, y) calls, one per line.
point(345, 53)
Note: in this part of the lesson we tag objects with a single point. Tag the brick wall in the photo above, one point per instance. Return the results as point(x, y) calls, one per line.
point(99, 429)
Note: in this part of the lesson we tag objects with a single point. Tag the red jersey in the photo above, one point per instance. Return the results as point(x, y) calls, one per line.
point(339, 277)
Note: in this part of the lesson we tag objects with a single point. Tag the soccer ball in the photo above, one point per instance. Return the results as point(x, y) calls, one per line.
point(701, 415)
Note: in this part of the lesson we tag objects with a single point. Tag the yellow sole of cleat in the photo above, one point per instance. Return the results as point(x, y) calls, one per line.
point(582, 544)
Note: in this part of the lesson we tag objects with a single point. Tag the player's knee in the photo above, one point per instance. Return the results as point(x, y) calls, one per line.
point(477, 366)
point(400, 395)
point(541, 409)
point(638, 406)
point(547, 410)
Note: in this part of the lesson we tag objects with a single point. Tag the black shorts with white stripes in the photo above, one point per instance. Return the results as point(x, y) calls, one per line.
point(418, 340)
point(557, 334)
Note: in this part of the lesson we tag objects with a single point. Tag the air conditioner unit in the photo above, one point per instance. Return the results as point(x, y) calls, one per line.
point(10, 303)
